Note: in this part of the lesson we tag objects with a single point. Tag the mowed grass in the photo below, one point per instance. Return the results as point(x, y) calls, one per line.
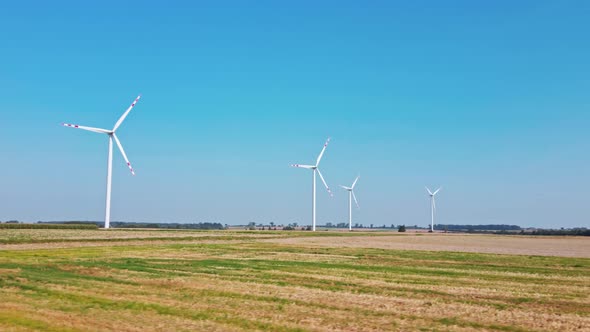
point(27, 236)
point(231, 281)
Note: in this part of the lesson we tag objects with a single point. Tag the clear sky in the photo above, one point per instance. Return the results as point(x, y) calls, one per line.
point(489, 99)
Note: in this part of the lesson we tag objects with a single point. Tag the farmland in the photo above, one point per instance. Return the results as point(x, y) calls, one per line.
point(140, 280)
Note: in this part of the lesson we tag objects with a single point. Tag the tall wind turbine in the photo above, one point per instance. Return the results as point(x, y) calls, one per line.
point(111, 135)
point(432, 206)
point(350, 197)
point(315, 170)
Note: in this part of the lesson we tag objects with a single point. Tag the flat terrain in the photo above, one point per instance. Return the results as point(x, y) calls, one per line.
point(494, 244)
point(139, 280)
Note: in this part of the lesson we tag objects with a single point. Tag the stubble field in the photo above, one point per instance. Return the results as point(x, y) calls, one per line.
point(138, 280)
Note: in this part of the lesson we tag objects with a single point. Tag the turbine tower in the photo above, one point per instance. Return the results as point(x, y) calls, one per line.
point(432, 206)
point(112, 136)
point(315, 170)
point(350, 197)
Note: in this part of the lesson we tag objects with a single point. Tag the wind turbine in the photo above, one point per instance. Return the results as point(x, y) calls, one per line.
point(350, 197)
point(111, 135)
point(432, 206)
point(315, 170)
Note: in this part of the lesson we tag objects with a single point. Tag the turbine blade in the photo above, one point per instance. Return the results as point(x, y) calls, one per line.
point(355, 180)
point(433, 203)
point(123, 153)
point(324, 181)
point(429, 192)
point(96, 130)
point(122, 118)
point(437, 190)
point(302, 166)
point(357, 203)
point(322, 153)
point(345, 187)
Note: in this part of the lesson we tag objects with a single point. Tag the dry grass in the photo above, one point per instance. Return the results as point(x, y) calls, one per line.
point(219, 281)
point(564, 246)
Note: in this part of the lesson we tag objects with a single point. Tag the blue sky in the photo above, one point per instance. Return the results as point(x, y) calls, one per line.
point(488, 99)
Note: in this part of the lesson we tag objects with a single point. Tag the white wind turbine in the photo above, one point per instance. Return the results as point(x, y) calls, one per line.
point(111, 134)
point(432, 206)
point(315, 170)
point(350, 197)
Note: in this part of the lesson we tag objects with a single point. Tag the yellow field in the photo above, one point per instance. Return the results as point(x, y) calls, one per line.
point(138, 280)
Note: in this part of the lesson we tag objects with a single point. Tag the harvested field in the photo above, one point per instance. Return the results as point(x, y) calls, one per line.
point(564, 246)
point(301, 281)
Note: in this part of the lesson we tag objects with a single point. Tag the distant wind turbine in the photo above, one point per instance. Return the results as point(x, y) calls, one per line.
point(111, 134)
point(350, 197)
point(432, 206)
point(315, 170)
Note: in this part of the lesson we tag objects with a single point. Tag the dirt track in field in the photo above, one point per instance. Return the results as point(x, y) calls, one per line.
point(493, 244)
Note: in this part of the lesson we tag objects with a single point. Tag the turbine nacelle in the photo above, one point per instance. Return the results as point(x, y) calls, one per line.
point(351, 190)
point(111, 133)
point(432, 194)
point(316, 166)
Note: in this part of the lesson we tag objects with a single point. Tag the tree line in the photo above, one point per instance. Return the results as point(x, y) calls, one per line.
point(124, 224)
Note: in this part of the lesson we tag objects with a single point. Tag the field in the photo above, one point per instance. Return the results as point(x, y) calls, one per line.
point(140, 280)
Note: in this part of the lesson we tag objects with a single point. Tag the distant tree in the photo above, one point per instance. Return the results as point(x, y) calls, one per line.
point(392, 226)
point(371, 225)
point(401, 228)
point(272, 224)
